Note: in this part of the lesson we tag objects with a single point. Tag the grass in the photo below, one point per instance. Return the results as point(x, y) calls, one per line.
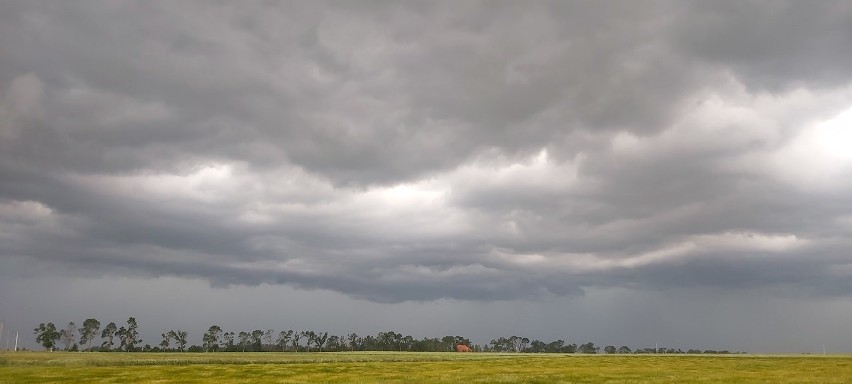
point(379, 367)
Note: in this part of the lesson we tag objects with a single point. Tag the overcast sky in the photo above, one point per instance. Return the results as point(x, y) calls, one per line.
point(619, 172)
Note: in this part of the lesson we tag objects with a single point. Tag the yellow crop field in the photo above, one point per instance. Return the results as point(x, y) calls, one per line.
point(378, 367)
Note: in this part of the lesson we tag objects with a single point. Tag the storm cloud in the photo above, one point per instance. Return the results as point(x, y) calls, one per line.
point(396, 152)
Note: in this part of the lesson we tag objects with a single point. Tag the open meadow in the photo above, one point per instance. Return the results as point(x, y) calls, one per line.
point(389, 367)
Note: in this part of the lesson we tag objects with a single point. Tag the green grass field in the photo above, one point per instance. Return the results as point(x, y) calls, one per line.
point(378, 367)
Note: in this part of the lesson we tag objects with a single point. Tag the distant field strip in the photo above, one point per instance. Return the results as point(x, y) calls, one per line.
point(378, 367)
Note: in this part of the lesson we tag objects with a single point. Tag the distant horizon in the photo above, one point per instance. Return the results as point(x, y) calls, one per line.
point(144, 346)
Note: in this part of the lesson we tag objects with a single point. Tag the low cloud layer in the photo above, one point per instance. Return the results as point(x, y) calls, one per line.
point(396, 152)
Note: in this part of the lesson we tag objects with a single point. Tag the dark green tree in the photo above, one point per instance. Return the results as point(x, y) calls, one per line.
point(555, 346)
point(121, 333)
point(397, 339)
point(46, 335)
point(256, 340)
point(129, 336)
point(538, 346)
point(211, 338)
point(88, 332)
point(108, 335)
point(589, 348)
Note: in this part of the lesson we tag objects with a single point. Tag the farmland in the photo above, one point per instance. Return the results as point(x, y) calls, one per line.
point(389, 367)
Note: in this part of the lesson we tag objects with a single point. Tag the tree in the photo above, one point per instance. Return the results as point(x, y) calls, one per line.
point(386, 339)
point(320, 339)
point(244, 339)
point(353, 340)
point(283, 338)
point(267, 336)
point(500, 345)
point(610, 349)
point(369, 343)
point(538, 346)
point(397, 338)
point(129, 336)
point(447, 342)
point(624, 349)
point(67, 335)
point(229, 340)
point(46, 335)
point(408, 341)
point(256, 337)
point(309, 335)
point(108, 335)
point(88, 332)
point(167, 337)
point(295, 341)
point(519, 344)
point(122, 338)
point(211, 338)
point(524, 342)
point(557, 346)
point(589, 348)
point(333, 343)
point(180, 338)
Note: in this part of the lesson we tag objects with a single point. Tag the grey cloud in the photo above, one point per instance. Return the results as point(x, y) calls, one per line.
point(390, 106)
point(418, 152)
point(786, 45)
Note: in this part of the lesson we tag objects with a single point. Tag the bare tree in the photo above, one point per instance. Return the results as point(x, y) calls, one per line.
point(67, 335)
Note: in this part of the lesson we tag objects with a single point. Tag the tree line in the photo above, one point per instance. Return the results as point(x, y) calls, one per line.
point(125, 338)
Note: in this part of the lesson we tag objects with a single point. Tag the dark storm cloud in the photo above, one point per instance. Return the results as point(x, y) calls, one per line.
point(484, 151)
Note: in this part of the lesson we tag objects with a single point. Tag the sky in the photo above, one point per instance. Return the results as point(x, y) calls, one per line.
point(626, 173)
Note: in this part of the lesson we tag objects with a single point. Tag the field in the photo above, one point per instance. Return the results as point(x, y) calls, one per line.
point(379, 367)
